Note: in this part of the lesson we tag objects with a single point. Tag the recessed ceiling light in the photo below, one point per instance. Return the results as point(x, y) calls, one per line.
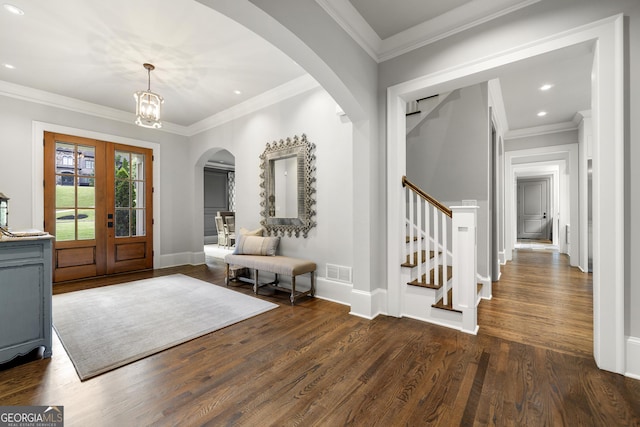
point(13, 9)
point(546, 86)
point(9, 66)
point(237, 92)
point(542, 113)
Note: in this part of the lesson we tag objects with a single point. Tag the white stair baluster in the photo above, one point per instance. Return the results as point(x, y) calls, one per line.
point(419, 228)
point(436, 244)
point(445, 295)
point(411, 196)
point(427, 238)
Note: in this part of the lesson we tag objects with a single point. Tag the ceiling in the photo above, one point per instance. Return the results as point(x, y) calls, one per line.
point(94, 51)
point(388, 18)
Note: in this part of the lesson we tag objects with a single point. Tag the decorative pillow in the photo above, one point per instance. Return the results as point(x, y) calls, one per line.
point(256, 232)
point(256, 245)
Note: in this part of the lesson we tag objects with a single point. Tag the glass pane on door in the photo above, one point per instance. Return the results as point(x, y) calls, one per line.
point(74, 192)
point(129, 194)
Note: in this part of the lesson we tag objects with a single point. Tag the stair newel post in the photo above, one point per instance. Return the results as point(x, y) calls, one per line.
point(464, 230)
point(445, 296)
point(427, 237)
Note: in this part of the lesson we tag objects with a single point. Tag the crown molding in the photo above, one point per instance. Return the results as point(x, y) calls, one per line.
point(273, 96)
point(460, 19)
point(49, 99)
point(541, 130)
point(580, 116)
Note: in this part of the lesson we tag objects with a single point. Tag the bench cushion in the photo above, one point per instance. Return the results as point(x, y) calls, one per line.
point(277, 264)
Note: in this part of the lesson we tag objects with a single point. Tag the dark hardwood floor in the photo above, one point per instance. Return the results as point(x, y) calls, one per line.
point(314, 364)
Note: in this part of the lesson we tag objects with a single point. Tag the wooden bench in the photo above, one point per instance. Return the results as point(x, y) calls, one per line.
point(278, 265)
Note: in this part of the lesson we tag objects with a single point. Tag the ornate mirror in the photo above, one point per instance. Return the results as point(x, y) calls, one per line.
point(287, 192)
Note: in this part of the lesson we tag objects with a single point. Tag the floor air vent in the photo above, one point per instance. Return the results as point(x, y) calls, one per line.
point(339, 273)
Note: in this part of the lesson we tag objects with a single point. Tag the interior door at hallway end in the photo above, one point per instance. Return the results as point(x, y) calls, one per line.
point(88, 193)
point(533, 209)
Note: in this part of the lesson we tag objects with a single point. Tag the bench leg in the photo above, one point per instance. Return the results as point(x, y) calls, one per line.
point(313, 283)
point(255, 282)
point(292, 298)
point(226, 275)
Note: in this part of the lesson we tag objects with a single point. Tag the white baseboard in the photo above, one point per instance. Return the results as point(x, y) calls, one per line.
point(633, 358)
point(183, 258)
point(368, 304)
point(502, 258)
point(333, 291)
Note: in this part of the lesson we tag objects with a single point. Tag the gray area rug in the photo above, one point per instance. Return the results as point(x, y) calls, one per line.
point(108, 327)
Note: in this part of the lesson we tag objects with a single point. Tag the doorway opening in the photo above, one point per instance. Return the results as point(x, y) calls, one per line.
point(219, 203)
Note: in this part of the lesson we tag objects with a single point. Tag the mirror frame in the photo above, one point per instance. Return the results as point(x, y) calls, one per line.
point(303, 150)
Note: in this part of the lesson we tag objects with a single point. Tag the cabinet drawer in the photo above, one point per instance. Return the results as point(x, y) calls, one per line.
point(17, 251)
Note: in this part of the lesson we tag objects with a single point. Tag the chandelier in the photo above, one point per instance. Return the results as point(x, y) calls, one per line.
point(148, 104)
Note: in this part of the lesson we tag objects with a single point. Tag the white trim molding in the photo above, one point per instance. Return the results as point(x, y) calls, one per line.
point(333, 291)
point(368, 304)
point(454, 21)
point(541, 130)
point(633, 358)
point(287, 90)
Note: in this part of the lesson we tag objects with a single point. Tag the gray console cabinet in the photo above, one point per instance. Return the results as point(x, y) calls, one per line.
point(25, 296)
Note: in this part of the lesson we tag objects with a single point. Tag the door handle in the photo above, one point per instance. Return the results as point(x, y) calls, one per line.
point(544, 215)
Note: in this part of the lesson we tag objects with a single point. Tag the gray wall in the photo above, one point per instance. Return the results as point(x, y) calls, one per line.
point(448, 156)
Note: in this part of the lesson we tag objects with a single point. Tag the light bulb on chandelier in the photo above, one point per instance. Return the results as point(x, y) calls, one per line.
point(148, 104)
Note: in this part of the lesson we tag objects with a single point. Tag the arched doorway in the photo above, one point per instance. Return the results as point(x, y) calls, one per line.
point(218, 195)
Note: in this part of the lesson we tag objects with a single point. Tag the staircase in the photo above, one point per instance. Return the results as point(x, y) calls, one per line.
point(438, 276)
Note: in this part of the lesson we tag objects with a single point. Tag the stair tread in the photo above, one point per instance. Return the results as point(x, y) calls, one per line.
point(409, 263)
point(424, 284)
point(449, 305)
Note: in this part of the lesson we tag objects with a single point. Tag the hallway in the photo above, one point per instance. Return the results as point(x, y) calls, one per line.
point(540, 300)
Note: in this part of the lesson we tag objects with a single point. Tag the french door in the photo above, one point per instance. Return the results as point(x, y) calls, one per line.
point(98, 205)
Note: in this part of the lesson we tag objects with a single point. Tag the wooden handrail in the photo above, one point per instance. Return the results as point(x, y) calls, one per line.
point(442, 208)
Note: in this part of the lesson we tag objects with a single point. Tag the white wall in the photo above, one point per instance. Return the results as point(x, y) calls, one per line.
point(314, 114)
point(448, 157)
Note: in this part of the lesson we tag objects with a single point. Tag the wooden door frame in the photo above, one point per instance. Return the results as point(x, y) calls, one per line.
point(39, 128)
